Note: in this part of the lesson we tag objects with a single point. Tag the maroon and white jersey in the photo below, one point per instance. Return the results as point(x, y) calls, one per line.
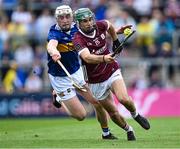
point(97, 45)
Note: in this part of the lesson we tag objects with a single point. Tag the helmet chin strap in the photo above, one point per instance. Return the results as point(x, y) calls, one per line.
point(62, 29)
point(65, 30)
point(89, 31)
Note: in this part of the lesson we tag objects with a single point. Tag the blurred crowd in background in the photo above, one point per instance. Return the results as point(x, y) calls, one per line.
point(24, 25)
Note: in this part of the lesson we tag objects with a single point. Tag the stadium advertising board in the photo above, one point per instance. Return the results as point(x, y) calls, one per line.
point(32, 105)
point(154, 102)
point(151, 103)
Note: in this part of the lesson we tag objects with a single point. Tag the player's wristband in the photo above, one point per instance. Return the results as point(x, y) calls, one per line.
point(116, 43)
point(104, 58)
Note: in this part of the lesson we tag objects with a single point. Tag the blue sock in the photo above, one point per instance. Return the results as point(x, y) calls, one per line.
point(105, 131)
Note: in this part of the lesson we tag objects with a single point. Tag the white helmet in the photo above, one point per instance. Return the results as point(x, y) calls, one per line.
point(63, 9)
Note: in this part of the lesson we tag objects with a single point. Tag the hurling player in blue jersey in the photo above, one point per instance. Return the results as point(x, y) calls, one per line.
point(60, 47)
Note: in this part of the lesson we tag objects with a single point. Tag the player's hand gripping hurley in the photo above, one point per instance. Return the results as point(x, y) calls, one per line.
point(76, 85)
point(120, 47)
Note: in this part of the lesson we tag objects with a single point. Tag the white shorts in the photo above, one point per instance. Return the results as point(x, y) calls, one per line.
point(63, 85)
point(101, 90)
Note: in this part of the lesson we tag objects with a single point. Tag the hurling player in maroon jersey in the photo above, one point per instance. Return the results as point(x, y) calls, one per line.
point(103, 71)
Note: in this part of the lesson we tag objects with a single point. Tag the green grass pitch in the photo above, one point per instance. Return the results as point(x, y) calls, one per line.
point(69, 133)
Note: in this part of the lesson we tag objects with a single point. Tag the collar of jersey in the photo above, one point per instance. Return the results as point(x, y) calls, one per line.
point(90, 36)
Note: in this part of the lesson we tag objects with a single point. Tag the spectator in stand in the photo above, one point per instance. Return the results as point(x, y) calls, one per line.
point(143, 7)
point(128, 5)
point(4, 33)
point(152, 52)
point(155, 80)
point(33, 83)
point(21, 15)
point(163, 27)
point(24, 55)
point(167, 52)
point(172, 9)
point(6, 57)
point(11, 81)
point(100, 11)
point(38, 68)
point(145, 34)
point(125, 18)
point(43, 23)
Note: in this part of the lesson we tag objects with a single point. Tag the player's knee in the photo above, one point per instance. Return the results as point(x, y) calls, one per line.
point(95, 103)
point(81, 116)
point(124, 98)
point(97, 106)
point(113, 114)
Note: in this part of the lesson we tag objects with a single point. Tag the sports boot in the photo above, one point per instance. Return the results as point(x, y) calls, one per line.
point(142, 121)
point(55, 102)
point(131, 136)
point(109, 137)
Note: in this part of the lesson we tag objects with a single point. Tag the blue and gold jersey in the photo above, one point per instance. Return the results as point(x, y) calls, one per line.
point(69, 56)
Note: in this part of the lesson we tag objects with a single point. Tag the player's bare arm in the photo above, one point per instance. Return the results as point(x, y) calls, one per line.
point(52, 50)
point(95, 59)
point(112, 32)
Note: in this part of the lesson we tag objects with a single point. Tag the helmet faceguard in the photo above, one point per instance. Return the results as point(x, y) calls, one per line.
point(82, 14)
point(63, 10)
